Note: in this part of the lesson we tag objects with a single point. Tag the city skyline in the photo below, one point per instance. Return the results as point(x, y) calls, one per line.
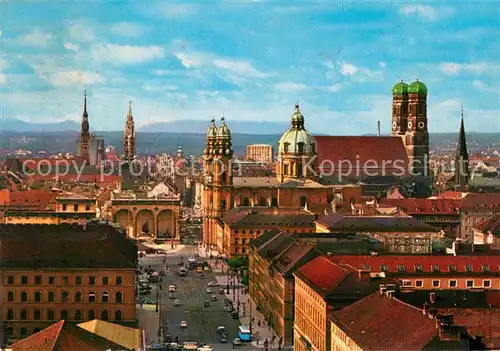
point(250, 61)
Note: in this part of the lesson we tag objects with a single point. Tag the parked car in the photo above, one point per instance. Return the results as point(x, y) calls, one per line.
point(184, 324)
point(209, 291)
point(213, 284)
point(214, 298)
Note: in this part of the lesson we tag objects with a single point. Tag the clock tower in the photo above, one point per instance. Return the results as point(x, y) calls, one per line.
point(84, 134)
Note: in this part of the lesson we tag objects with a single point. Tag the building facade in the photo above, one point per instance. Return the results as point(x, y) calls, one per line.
point(261, 153)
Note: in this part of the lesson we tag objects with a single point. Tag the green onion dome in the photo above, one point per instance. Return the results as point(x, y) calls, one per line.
point(400, 88)
point(417, 87)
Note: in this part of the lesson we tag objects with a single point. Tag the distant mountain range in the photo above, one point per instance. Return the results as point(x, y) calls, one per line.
point(17, 125)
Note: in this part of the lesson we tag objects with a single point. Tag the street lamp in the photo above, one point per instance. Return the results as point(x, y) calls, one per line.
point(157, 297)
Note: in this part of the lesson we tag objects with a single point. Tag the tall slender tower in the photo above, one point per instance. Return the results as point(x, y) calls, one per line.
point(461, 159)
point(208, 159)
point(84, 133)
point(417, 136)
point(129, 152)
point(399, 109)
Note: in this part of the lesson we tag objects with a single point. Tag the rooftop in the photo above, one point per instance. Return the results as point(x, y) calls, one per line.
point(490, 225)
point(250, 218)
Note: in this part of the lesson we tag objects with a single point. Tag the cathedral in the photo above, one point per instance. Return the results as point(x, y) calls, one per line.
point(300, 183)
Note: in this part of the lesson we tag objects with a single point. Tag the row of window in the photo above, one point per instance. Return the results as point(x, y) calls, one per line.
point(435, 268)
point(451, 283)
point(75, 207)
point(51, 297)
point(24, 315)
point(11, 280)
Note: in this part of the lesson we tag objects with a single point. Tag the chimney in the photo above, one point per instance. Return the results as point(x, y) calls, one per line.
point(378, 128)
point(432, 297)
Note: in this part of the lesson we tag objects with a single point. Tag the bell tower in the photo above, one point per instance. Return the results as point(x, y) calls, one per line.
point(399, 109)
point(84, 133)
point(417, 136)
point(129, 151)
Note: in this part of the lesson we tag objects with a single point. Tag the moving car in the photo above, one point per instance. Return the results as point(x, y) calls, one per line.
point(199, 270)
point(221, 330)
point(209, 291)
point(171, 288)
point(184, 324)
point(214, 298)
point(207, 303)
point(221, 291)
point(213, 284)
point(177, 303)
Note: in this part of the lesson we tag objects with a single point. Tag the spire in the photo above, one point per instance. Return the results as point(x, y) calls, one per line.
point(129, 114)
point(461, 158)
point(462, 143)
point(85, 114)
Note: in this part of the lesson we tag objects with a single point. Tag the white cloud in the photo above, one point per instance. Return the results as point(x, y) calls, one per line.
point(81, 32)
point(75, 77)
point(72, 47)
point(348, 69)
point(482, 86)
point(382, 64)
point(127, 29)
point(176, 10)
point(164, 72)
point(3, 79)
point(334, 88)
point(423, 11)
point(242, 68)
point(126, 54)
point(452, 68)
point(36, 38)
point(290, 87)
point(187, 60)
point(3, 63)
point(152, 87)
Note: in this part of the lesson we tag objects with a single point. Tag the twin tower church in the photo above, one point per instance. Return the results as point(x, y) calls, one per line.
point(90, 147)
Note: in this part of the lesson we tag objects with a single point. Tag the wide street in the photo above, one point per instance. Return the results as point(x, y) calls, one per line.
point(191, 292)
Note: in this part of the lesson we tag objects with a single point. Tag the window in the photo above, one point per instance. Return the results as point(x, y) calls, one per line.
point(367, 267)
point(38, 280)
point(486, 283)
point(78, 297)
point(78, 315)
point(246, 201)
point(37, 315)
point(419, 283)
point(78, 280)
point(470, 283)
point(303, 201)
point(384, 268)
point(51, 315)
point(452, 283)
point(300, 148)
point(452, 268)
point(24, 315)
point(104, 315)
point(105, 297)
point(435, 268)
point(65, 280)
point(223, 204)
point(91, 280)
point(24, 331)
point(262, 201)
point(118, 297)
point(300, 171)
point(435, 283)
point(91, 315)
point(469, 268)
point(105, 280)
point(87, 207)
point(118, 315)
point(10, 331)
point(235, 241)
point(285, 147)
point(485, 268)
point(38, 296)
point(418, 268)
point(10, 280)
point(10, 315)
point(64, 314)
point(75, 207)
point(52, 280)
point(24, 296)
point(406, 282)
point(91, 297)
point(401, 268)
point(52, 296)
point(64, 207)
point(285, 169)
point(118, 280)
point(64, 296)
point(24, 280)
point(274, 201)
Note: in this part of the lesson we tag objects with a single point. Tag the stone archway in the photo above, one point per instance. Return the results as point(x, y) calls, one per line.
point(126, 220)
point(145, 221)
point(166, 224)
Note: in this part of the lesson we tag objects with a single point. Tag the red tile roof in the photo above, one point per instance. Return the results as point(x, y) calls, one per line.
point(63, 336)
point(481, 200)
point(450, 195)
point(365, 151)
point(425, 206)
point(378, 322)
point(322, 275)
point(40, 199)
point(490, 225)
point(427, 262)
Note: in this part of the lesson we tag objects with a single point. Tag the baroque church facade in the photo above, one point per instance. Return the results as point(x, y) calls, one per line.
point(298, 184)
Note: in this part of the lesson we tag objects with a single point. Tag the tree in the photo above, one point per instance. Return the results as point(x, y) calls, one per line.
point(238, 262)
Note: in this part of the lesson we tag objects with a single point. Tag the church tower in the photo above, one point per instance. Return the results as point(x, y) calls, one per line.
point(296, 152)
point(84, 133)
point(399, 109)
point(218, 182)
point(129, 152)
point(416, 137)
point(461, 160)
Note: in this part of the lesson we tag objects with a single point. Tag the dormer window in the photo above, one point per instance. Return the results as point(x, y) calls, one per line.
point(285, 147)
point(300, 148)
point(486, 268)
point(418, 268)
point(435, 268)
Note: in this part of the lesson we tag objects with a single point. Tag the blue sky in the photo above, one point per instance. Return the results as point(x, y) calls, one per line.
point(251, 60)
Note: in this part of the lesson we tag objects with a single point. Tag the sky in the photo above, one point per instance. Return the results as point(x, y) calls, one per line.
point(249, 60)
